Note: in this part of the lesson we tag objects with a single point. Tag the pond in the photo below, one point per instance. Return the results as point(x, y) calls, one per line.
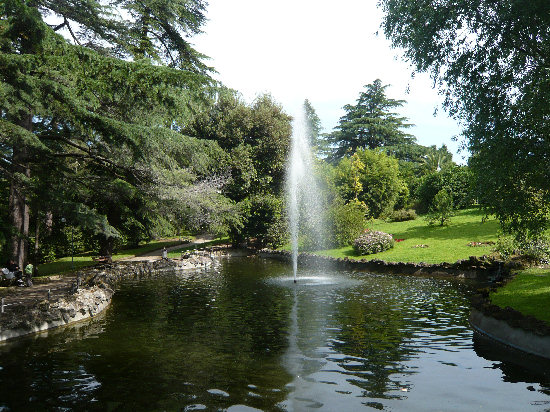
point(242, 336)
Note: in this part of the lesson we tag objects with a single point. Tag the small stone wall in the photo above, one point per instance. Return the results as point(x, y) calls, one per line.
point(530, 341)
point(90, 295)
point(472, 268)
point(510, 327)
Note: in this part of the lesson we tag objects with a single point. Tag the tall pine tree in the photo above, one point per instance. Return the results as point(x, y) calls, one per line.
point(369, 124)
point(97, 108)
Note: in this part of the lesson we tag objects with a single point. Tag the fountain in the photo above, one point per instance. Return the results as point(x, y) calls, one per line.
point(303, 204)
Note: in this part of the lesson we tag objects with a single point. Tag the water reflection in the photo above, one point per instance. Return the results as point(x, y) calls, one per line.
point(245, 337)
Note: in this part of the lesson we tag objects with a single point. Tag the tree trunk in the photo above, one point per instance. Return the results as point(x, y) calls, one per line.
point(49, 222)
point(36, 239)
point(18, 206)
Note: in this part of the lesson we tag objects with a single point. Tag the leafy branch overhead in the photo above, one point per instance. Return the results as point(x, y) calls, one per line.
point(491, 60)
point(93, 99)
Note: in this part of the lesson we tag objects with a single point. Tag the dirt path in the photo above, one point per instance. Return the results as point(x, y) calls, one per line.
point(157, 254)
point(60, 285)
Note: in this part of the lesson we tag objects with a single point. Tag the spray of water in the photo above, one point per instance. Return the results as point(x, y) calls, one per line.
point(302, 189)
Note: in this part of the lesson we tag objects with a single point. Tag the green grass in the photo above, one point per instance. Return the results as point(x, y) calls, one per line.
point(445, 243)
point(176, 253)
point(528, 292)
point(64, 265)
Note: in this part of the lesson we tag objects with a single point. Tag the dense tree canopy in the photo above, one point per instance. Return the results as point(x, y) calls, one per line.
point(89, 127)
point(257, 139)
point(371, 177)
point(369, 124)
point(492, 61)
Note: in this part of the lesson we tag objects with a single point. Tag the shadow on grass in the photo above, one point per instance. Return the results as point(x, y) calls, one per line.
point(60, 267)
point(458, 230)
point(65, 265)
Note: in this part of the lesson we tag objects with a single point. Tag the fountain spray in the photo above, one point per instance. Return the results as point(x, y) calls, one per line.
point(302, 190)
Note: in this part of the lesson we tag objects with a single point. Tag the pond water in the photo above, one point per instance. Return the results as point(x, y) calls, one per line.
point(242, 336)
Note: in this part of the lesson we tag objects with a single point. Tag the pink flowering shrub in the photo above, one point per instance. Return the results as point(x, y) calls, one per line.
point(372, 241)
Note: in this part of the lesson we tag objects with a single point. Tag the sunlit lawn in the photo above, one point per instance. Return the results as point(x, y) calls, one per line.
point(444, 243)
point(66, 264)
point(528, 292)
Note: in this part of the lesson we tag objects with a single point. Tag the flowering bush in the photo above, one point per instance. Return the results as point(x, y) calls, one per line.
point(372, 241)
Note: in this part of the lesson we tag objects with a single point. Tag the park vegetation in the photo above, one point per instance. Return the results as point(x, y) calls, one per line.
point(113, 132)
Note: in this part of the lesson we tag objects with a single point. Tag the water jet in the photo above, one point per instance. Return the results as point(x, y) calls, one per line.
point(304, 208)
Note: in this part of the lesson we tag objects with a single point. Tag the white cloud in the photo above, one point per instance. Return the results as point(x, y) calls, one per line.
point(324, 51)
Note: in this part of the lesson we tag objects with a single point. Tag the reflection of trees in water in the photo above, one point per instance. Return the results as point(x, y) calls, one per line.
point(215, 339)
point(388, 321)
point(516, 366)
point(165, 343)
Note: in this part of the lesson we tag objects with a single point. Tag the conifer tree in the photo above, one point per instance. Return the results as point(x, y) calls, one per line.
point(97, 107)
point(369, 124)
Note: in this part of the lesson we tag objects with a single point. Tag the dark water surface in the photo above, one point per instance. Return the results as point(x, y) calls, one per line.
point(243, 336)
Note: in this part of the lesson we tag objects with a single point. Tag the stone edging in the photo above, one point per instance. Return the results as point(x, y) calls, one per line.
point(514, 337)
point(471, 268)
point(93, 297)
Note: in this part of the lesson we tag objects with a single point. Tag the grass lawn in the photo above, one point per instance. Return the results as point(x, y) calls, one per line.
point(445, 243)
point(528, 292)
point(176, 253)
point(65, 265)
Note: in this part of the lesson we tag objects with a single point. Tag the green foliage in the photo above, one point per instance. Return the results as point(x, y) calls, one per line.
point(491, 62)
point(380, 185)
point(455, 180)
point(537, 249)
point(313, 126)
point(372, 241)
point(90, 130)
point(257, 137)
point(442, 209)
point(347, 221)
point(505, 246)
point(402, 215)
point(369, 124)
point(263, 220)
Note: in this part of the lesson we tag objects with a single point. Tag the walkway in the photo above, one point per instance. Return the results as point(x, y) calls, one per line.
point(157, 254)
point(60, 285)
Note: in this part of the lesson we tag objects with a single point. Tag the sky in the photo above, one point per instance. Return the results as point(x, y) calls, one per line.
point(320, 50)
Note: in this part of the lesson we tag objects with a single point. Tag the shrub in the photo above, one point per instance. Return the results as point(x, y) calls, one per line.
point(402, 215)
point(372, 241)
point(538, 250)
point(347, 221)
point(505, 246)
point(457, 181)
point(442, 208)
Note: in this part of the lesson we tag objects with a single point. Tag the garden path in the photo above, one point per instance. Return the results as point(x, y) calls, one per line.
point(59, 285)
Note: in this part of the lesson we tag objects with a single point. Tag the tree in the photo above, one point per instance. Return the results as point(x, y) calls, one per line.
point(492, 62)
point(437, 159)
point(379, 182)
point(313, 125)
point(457, 181)
point(369, 124)
point(88, 115)
point(257, 138)
point(442, 209)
